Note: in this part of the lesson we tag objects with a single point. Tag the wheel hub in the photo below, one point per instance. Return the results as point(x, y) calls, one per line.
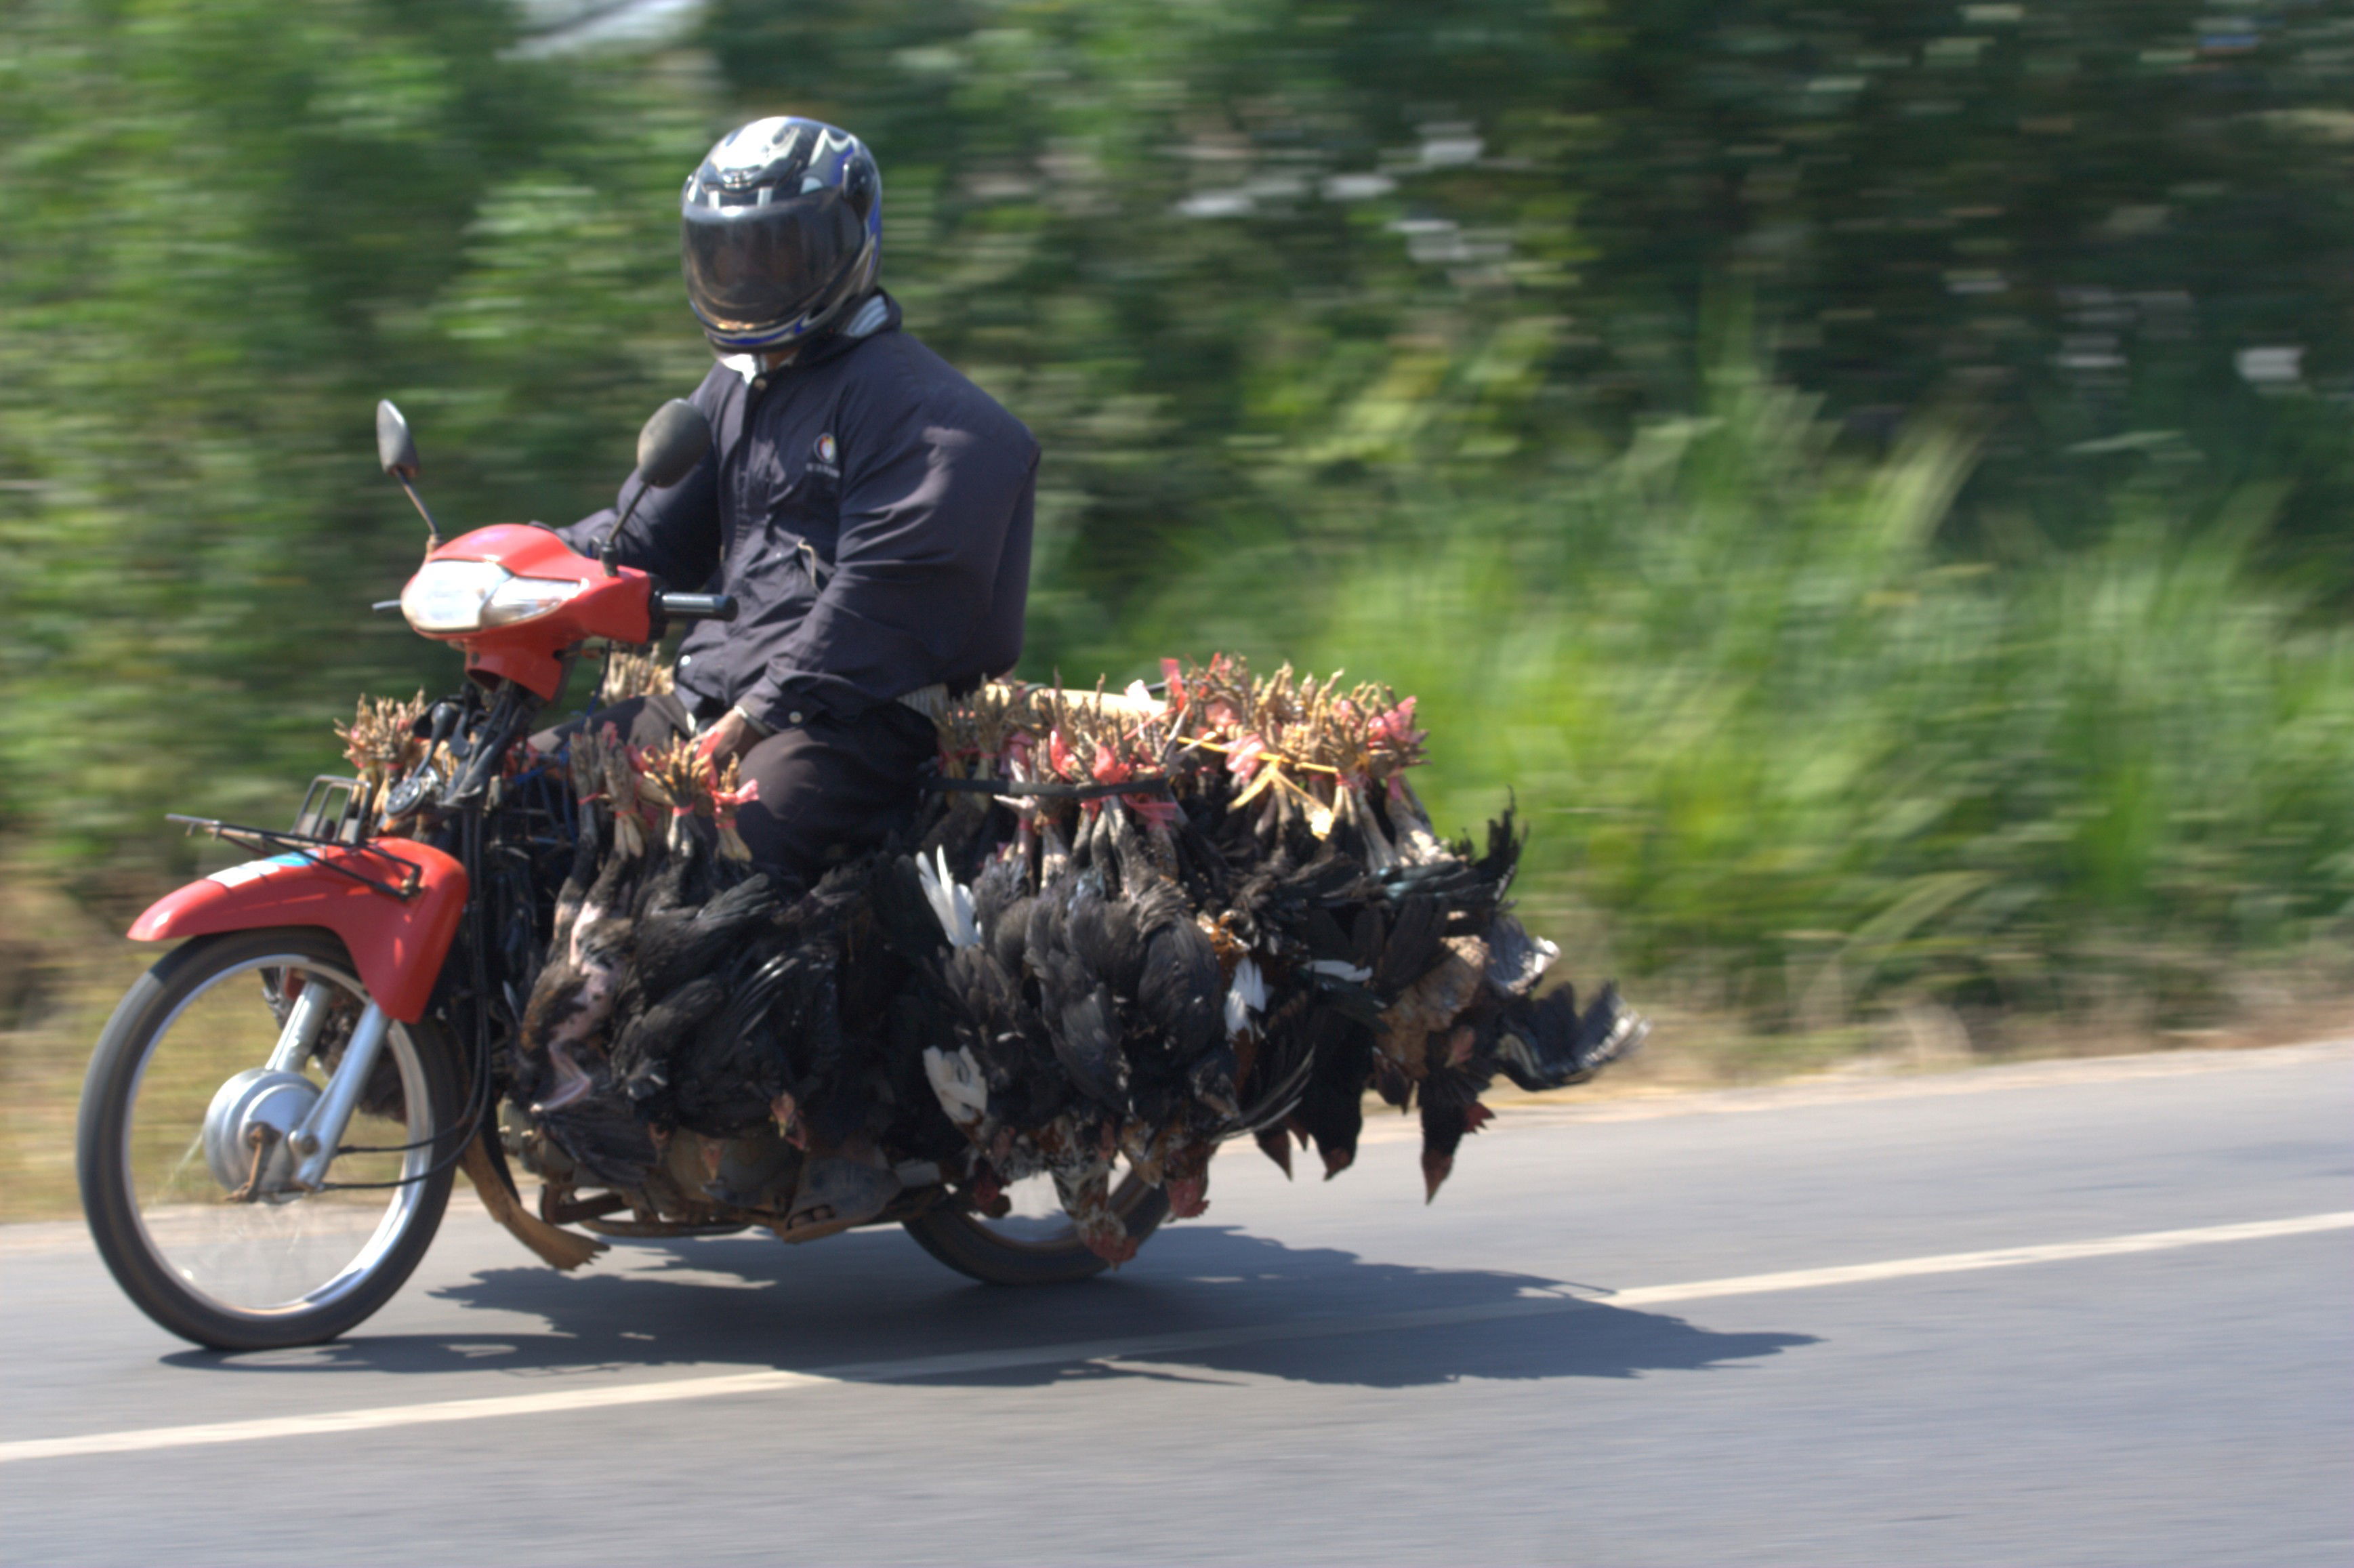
point(256, 1108)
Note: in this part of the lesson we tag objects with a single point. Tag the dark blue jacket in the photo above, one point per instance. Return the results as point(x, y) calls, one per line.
point(869, 508)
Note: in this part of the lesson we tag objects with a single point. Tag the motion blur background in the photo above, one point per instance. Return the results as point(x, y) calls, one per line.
point(1876, 479)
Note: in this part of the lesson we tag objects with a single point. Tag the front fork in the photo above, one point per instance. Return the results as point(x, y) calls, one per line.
point(316, 1138)
point(321, 1134)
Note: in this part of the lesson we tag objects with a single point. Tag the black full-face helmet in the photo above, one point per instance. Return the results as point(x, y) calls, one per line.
point(783, 229)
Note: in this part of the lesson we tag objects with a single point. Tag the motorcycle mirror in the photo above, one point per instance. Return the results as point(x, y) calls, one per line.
point(670, 446)
point(396, 448)
point(672, 442)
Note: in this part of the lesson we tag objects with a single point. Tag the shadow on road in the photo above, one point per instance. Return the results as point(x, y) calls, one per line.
point(870, 1296)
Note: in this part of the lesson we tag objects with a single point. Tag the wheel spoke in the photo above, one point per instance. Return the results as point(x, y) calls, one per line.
point(194, 1153)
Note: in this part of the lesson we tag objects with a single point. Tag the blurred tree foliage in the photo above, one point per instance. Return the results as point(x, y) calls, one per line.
point(1279, 259)
point(1312, 303)
point(226, 227)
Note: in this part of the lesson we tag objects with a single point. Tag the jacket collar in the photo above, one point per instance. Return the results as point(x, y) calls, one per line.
point(878, 315)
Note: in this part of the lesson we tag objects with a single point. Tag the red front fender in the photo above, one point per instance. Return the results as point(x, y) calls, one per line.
point(397, 944)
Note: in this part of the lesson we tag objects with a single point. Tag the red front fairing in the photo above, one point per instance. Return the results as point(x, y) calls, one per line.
point(397, 944)
point(618, 608)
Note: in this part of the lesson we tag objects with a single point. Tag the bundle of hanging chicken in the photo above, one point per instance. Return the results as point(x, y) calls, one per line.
point(1124, 926)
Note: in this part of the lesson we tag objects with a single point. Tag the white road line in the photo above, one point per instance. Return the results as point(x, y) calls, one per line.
point(1147, 1347)
point(1966, 1262)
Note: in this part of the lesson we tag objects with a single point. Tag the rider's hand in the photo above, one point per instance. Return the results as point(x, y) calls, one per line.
point(732, 736)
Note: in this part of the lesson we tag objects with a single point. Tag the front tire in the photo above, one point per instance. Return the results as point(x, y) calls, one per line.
point(204, 1260)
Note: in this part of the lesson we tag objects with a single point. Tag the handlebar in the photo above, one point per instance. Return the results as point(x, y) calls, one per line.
point(696, 606)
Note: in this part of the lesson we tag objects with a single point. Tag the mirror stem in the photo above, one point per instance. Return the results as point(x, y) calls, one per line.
point(609, 554)
point(432, 533)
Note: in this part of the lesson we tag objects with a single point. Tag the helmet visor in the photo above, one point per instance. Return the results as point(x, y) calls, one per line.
point(750, 268)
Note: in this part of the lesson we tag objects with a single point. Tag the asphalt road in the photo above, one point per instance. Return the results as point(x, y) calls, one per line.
point(1336, 1373)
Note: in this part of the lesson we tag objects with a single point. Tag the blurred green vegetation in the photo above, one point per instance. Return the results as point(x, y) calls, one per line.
point(1875, 480)
point(1794, 760)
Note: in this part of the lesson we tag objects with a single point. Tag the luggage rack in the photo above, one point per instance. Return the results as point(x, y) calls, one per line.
point(343, 802)
point(338, 805)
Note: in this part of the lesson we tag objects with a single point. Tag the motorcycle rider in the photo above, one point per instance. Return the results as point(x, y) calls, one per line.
point(869, 508)
point(867, 505)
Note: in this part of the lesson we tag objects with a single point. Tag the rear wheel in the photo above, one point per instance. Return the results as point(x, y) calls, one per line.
point(187, 1179)
point(1035, 1242)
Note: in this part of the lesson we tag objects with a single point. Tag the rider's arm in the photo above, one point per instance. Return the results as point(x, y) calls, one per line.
point(673, 533)
point(932, 489)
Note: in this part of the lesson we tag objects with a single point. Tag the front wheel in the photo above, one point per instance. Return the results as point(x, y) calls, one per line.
point(188, 1178)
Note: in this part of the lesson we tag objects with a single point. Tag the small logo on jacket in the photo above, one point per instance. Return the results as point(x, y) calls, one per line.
point(825, 457)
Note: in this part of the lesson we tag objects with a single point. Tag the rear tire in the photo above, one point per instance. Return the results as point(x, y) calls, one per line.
point(967, 1244)
point(119, 1202)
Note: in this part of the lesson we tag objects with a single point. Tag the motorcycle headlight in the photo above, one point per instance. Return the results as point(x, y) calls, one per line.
point(470, 596)
point(525, 599)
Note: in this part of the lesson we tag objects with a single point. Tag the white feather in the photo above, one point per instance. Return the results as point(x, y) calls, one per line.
point(952, 901)
point(1339, 971)
point(1246, 996)
point(957, 1080)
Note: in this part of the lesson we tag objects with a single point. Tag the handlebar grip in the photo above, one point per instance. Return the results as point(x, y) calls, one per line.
point(698, 606)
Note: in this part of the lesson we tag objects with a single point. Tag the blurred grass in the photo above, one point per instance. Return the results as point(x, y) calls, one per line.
point(1791, 766)
point(61, 971)
point(1788, 763)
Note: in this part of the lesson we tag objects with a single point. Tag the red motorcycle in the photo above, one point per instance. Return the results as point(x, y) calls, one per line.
point(275, 1113)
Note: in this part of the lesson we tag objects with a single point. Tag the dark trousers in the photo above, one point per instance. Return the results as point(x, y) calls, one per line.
point(828, 788)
